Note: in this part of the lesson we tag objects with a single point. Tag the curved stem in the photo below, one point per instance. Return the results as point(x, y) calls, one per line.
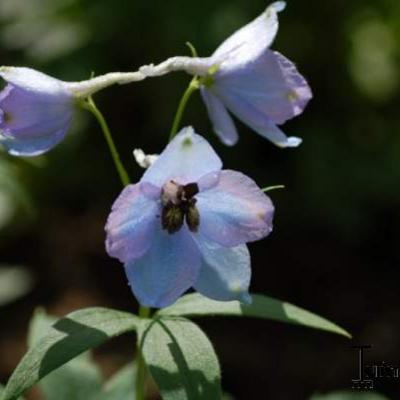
point(269, 188)
point(141, 371)
point(193, 86)
point(91, 106)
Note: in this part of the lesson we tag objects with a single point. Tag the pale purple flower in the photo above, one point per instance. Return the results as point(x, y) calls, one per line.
point(259, 86)
point(35, 111)
point(186, 224)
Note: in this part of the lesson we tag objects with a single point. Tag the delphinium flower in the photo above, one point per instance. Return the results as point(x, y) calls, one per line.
point(35, 111)
point(244, 76)
point(260, 86)
point(186, 224)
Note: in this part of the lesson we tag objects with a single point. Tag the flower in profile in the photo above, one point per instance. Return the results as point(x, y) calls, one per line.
point(35, 111)
point(186, 224)
point(259, 86)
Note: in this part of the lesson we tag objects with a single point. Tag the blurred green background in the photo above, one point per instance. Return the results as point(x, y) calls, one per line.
point(335, 248)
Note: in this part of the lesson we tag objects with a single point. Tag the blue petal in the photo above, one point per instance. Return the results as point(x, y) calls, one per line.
point(33, 122)
point(131, 225)
point(32, 147)
point(250, 40)
point(187, 158)
point(166, 271)
point(260, 123)
point(268, 85)
point(235, 211)
point(23, 109)
point(220, 118)
point(225, 272)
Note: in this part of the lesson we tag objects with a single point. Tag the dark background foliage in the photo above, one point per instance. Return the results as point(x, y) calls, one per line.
point(335, 247)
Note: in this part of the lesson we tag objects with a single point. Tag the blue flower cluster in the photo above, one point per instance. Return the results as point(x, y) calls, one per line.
point(187, 221)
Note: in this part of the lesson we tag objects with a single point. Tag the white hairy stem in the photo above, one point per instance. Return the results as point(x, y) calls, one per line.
point(193, 66)
point(86, 88)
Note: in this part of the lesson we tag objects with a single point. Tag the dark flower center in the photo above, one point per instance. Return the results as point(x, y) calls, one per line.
point(179, 205)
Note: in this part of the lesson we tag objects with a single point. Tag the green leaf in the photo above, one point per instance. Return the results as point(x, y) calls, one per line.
point(181, 359)
point(121, 386)
point(68, 337)
point(261, 307)
point(39, 326)
point(2, 387)
point(79, 379)
point(348, 395)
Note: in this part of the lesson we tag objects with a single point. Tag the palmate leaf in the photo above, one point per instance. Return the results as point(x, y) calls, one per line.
point(262, 306)
point(66, 339)
point(79, 379)
point(181, 359)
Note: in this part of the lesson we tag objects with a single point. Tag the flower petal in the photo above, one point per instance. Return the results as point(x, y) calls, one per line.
point(131, 225)
point(220, 118)
point(235, 211)
point(270, 84)
point(187, 157)
point(32, 147)
point(33, 122)
point(250, 40)
point(35, 81)
point(225, 272)
point(23, 110)
point(261, 124)
point(166, 271)
point(275, 135)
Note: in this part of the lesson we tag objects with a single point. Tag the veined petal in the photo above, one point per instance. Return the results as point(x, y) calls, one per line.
point(225, 272)
point(220, 118)
point(270, 84)
point(235, 211)
point(187, 158)
point(36, 111)
point(166, 271)
point(208, 181)
point(33, 114)
point(131, 225)
point(250, 40)
point(261, 124)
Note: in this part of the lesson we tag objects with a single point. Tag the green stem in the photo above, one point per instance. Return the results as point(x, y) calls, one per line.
point(141, 371)
point(91, 106)
point(193, 86)
point(269, 188)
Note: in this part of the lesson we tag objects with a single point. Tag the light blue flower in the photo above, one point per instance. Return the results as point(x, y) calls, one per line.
point(35, 111)
point(185, 224)
point(259, 86)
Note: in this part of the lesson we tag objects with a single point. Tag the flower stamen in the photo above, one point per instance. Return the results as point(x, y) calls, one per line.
point(179, 205)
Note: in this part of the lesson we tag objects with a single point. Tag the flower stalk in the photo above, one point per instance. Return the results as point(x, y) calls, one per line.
point(90, 105)
point(193, 86)
point(141, 371)
point(269, 188)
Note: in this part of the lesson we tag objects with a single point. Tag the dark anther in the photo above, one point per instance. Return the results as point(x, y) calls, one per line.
point(172, 218)
point(179, 204)
point(192, 218)
point(190, 190)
